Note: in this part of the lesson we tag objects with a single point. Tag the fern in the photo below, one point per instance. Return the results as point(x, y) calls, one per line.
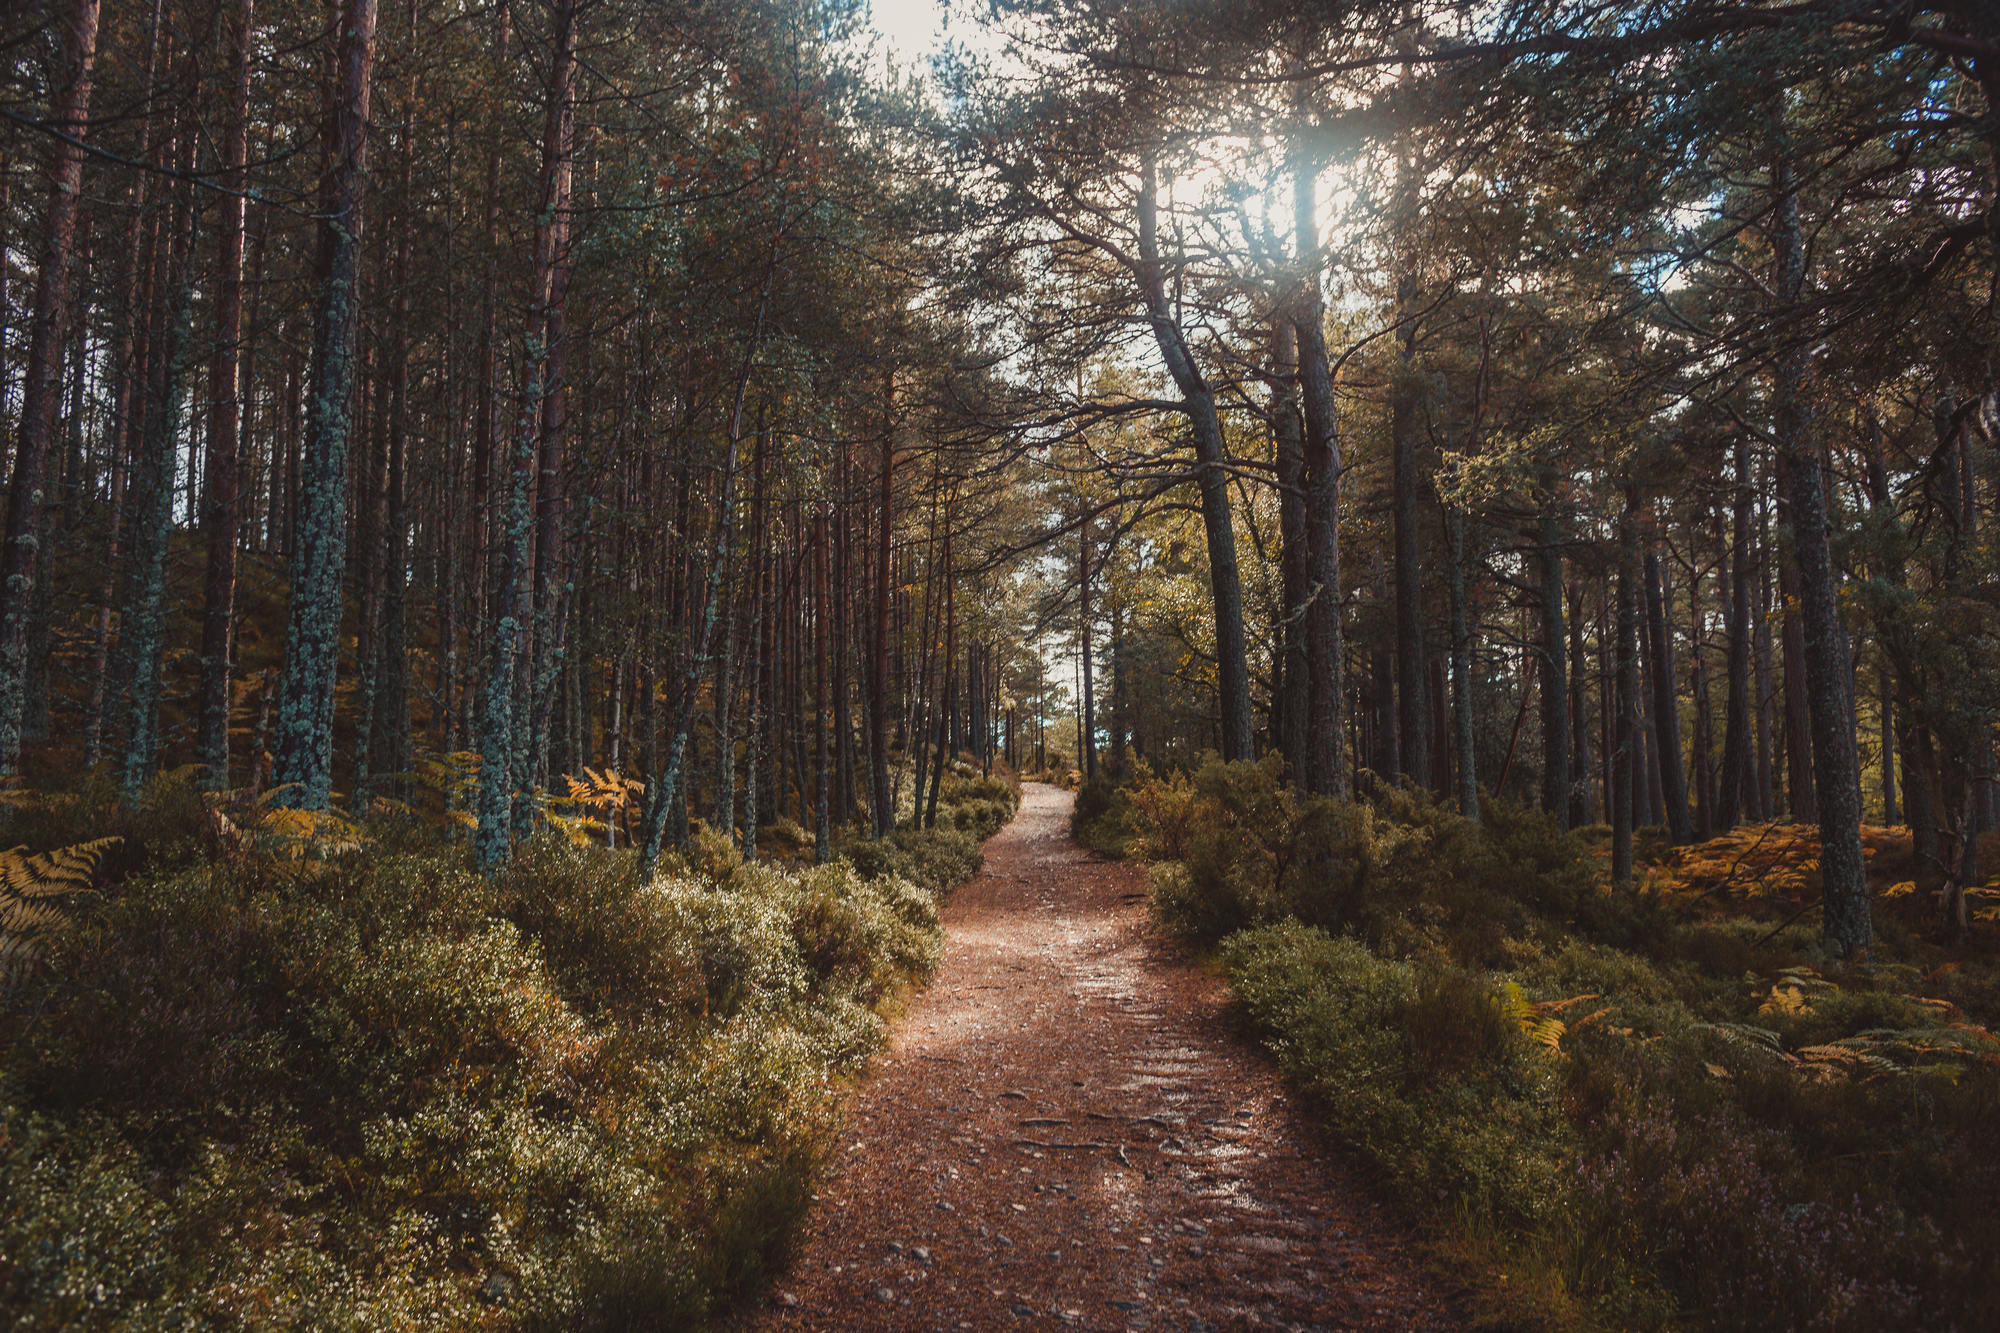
point(35, 888)
point(609, 794)
point(1793, 991)
point(307, 836)
point(1538, 1019)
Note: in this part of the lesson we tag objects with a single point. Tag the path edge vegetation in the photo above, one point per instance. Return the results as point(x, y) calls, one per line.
point(266, 1068)
point(1617, 1108)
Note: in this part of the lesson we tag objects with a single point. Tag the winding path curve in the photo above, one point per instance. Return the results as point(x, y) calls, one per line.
point(1063, 1134)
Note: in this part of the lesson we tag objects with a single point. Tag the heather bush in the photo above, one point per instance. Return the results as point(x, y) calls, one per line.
point(1104, 819)
point(1418, 1069)
point(371, 1089)
point(1644, 1118)
point(970, 810)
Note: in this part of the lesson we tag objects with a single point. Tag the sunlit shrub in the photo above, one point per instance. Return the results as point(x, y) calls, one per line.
point(1649, 1118)
point(1254, 850)
point(381, 1091)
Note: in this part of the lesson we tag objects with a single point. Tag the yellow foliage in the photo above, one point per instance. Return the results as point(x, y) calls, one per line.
point(300, 835)
point(607, 790)
point(607, 793)
point(33, 888)
point(1538, 1018)
point(1781, 859)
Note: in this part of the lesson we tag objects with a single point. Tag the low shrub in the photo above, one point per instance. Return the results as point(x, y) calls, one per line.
point(1103, 818)
point(1420, 1070)
point(937, 859)
point(1644, 1118)
point(376, 1090)
point(934, 860)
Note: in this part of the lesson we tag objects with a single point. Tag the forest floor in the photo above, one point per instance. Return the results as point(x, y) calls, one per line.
point(1065, 1133)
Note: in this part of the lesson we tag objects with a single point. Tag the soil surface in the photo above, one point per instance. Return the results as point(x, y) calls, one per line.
point(1064, 1134)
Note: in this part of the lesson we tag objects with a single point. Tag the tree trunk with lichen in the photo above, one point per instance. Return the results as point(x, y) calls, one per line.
point(303, 764)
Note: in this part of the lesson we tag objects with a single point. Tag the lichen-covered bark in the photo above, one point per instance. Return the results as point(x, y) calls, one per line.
point(512, 718)
point(303, 763)
point(142, 620)
point(220, 503)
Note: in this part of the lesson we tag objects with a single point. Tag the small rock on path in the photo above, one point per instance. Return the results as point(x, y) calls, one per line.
point(1063, 1134)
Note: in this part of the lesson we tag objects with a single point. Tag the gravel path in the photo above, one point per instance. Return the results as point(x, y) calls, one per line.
point(1063, 1134)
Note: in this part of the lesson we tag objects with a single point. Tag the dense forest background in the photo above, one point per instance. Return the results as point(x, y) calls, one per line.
point(681, 425)
point(610, 386)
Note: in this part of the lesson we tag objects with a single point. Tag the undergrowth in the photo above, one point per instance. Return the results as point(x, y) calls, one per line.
point(1640, 1109)
point(346, 1083)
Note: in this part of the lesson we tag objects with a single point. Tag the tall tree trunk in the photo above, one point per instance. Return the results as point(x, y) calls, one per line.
point(1326, 765)
point(1666, 707)
point(391, 725)
point(1211, 478)
point(506, 745)
point(1624, 747)
point(663, 793)
point(142, 621)
point(1735, 580)
point(304, 762)
point(20, 561)
point(1293, 705)
point(841, 649)
point(1763, 786)
point(220, 514)
point(1552, 651)
point(1704, 739)
point(483, 556)
point(390, 728)
point(878, 675)
point(1799, 787)
point(1888, 715)
point(1413, 722)
point(1086, 649)
point(1463, 735)
point(822, 823)
point(1848, 931)
point(553, 245)
point(1582, 810)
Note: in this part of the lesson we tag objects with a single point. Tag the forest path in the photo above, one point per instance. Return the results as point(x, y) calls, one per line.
point(1063, 1134)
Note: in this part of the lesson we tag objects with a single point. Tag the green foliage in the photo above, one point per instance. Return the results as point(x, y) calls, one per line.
point(1104, 819)
point(384, 1091)
point(1255, 851)
point(1644, 1120)
point(935, 860)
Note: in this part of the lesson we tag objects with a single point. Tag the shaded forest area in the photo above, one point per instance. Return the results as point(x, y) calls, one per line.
point(676, 462)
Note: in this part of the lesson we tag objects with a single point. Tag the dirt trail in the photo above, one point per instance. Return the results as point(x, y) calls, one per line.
point(1063, 1134)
